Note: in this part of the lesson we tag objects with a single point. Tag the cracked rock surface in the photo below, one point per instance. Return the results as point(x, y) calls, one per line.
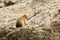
point(43, 19)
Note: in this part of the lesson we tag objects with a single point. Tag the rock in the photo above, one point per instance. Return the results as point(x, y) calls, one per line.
point(41, 13)
point(56, 26)
point(3, 32)
point(29, 34)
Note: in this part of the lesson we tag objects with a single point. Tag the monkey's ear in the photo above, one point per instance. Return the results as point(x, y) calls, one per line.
point(18, 24)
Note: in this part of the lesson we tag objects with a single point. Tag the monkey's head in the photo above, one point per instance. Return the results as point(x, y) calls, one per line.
point(25, 16)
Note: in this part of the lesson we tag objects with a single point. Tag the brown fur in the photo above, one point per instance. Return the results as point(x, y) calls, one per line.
point(22, 21)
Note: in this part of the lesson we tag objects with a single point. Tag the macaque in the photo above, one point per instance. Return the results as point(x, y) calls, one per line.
point(22, 21)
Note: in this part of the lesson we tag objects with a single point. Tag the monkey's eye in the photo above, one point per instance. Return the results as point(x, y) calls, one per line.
point(18, 25)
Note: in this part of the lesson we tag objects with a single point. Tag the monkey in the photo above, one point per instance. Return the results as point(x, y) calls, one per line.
point(22, 21)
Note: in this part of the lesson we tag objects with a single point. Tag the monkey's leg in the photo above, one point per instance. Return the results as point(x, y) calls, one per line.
point(26, 23)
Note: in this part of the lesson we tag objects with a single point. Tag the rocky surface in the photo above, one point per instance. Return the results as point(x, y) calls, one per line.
point(44, 18)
